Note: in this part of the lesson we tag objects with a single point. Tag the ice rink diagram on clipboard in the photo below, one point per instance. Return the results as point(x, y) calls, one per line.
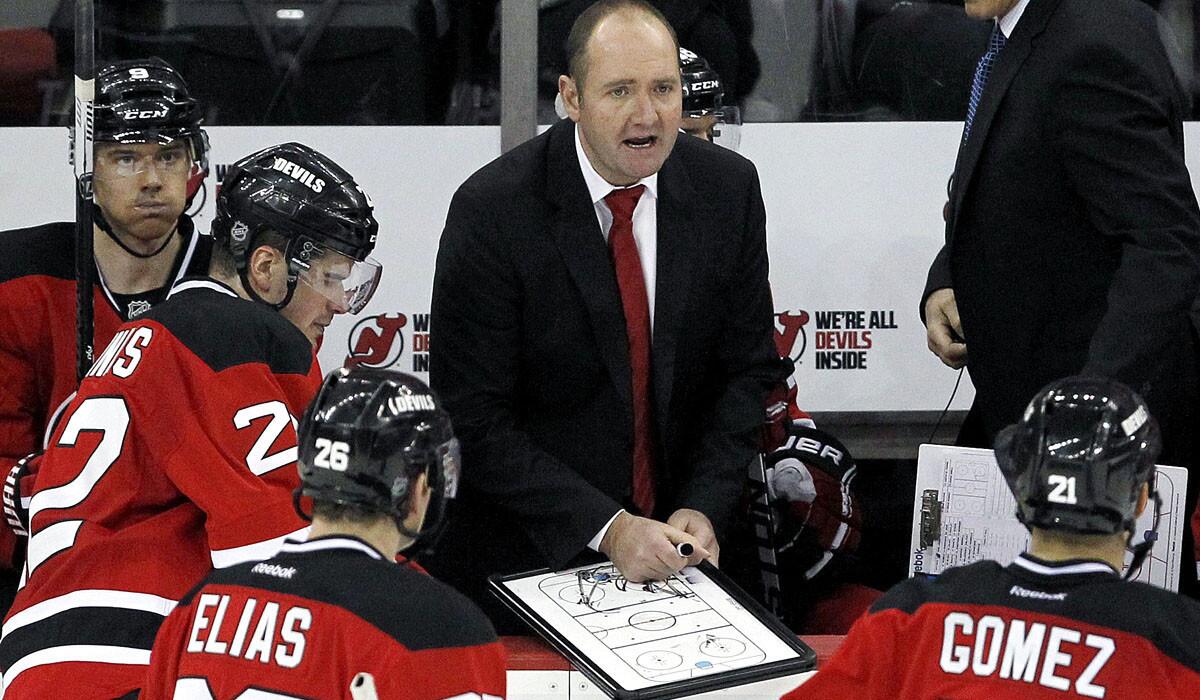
point(662, 630)
point(964, 512)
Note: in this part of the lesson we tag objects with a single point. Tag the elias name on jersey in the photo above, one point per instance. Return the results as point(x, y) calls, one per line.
point(1032, 652)
point(267, 634)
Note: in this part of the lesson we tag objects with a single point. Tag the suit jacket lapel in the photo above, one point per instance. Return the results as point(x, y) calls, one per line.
point(1033, 23)
point(679, 234)
point(581, 245)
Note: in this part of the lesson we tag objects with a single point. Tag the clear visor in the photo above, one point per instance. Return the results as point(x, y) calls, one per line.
point(720, 126)
point(131, 160)
point(346, 282)
point(450, 456)
point(728, 130)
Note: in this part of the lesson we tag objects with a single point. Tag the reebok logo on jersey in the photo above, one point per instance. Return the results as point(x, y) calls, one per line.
point(314, 183)
point(408, 404)
point(274, 570)
point(1039, 595)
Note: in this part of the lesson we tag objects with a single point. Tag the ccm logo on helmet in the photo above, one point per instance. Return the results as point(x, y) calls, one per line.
point(145, 113)
point(408, 404)
point(314, 183)
point(705, 85)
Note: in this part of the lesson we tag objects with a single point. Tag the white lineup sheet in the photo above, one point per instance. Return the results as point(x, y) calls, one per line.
point(978, 515)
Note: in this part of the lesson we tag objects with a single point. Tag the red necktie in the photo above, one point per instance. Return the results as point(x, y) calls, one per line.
point(628, 265)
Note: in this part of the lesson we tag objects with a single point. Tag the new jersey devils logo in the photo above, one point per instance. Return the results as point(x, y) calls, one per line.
point(789, 328)
point(376, 342)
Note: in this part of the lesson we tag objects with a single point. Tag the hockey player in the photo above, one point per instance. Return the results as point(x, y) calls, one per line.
point(704, 115)
point(1059, 622)
point(378, 460)
point(148, 143)
point(177, 454)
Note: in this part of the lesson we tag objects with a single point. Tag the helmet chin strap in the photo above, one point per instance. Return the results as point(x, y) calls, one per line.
point(100, 221)
point(1142, 549)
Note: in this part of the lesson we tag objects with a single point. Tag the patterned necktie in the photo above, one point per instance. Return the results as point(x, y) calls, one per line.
point(982, 71)
point(635, 302)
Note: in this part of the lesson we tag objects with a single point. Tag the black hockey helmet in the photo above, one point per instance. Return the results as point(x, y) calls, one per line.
point(702, 90)
point(304, 196)
point(704, 113)
point(145, 100)
point(366, 438)
point(1078, 458)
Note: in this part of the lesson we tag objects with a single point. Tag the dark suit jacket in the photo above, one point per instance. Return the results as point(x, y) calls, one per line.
point(1073, 233)
point(531, 355)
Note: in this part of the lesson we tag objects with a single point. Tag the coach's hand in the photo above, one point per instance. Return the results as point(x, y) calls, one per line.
point(697, 524)
point(644, 549)
point(943, 329)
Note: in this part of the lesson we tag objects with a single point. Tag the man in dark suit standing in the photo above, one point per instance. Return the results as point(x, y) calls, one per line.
point(1072, 231)
point(603, 326)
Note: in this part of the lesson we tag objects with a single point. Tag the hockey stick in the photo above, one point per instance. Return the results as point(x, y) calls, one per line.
point(82, 155)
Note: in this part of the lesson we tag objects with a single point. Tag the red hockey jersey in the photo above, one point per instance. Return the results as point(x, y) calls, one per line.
point(177, 455)
point(37, 313)
point(307, 622)
point(1033, 629)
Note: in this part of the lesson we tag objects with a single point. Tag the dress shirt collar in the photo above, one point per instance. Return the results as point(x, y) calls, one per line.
point(1009, 21)
point(598, 187)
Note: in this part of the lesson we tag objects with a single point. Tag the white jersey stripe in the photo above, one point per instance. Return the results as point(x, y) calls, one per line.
point(331, 543)
point(211, 285)
point(222, 558)
point(1087, 567)
point(89, 598)
point(77, 652)
point(52, 540)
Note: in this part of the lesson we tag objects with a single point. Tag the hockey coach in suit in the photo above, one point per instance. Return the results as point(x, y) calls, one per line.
point(603, 326)
point(1073, 233)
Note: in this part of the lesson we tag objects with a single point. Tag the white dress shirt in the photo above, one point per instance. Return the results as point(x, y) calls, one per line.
point(645, 217)
point(1009, 21)
point(645, 235)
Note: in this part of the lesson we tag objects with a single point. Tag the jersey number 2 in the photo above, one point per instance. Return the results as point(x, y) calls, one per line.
point(257, 459)
point(110, 417)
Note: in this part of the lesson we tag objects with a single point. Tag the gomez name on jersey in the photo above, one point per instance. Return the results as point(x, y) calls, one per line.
point(1033, 652)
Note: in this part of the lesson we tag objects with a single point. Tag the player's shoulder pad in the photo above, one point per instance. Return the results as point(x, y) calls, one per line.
point(226, 331)
point(958, 584)
point(413, 608)
point(419, 611)
point(48, 249)
point(418, 621)
point(1168, 620)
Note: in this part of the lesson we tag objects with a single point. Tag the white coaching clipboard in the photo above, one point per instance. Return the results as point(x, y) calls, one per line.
point(963, 512)
point(692, 633)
